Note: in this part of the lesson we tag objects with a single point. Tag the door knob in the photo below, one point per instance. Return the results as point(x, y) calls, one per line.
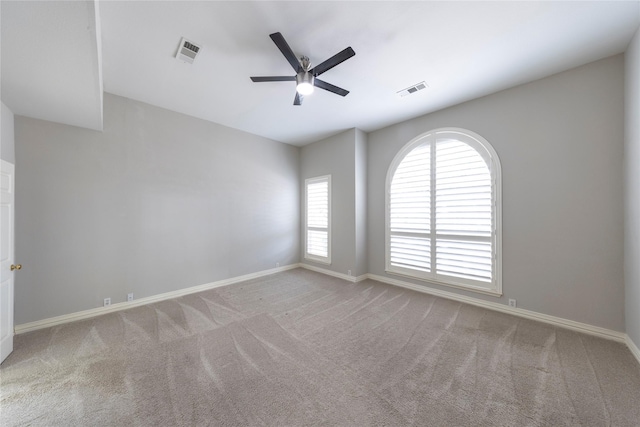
point(16, 267)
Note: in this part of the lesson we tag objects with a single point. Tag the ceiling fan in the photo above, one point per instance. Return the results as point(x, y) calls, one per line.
point(306, 77)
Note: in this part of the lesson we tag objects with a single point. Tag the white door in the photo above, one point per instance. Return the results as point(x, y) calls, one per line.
point(6, 258)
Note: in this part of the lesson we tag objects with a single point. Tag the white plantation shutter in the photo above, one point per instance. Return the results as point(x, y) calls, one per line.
point(442, 211)
point(409, 212)
point(463, 212)
point(317, 223)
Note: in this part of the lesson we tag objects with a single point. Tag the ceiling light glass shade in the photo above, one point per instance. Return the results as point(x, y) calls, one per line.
point(305, 83)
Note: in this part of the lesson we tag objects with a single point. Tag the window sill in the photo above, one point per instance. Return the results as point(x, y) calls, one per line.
point(466, 287)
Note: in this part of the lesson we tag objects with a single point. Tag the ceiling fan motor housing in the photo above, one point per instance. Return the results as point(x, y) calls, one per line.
point(304, 82)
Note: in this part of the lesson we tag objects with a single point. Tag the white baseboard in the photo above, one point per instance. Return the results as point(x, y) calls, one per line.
point(353, 279)
point(532, 315)
point(633, 347)
point(361, 278)
point(527, 314)
point(86, 314)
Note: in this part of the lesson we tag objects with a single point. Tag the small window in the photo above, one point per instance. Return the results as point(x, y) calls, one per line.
point(443, 211)
point(318, 219)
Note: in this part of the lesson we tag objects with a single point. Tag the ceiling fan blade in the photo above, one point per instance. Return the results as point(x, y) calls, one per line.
point(298, 99)
point(331, 88)
point(333, 61)
point(286, 50)
point(274, 79)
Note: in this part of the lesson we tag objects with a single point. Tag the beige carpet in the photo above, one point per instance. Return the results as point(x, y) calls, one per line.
point(300, 348)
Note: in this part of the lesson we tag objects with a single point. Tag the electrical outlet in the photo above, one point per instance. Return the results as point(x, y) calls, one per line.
point(348, 272)
point(512, 302)
point(130, 297)
point(107, 302)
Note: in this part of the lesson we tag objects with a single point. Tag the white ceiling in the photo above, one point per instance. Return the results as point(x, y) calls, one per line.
point(51, 57)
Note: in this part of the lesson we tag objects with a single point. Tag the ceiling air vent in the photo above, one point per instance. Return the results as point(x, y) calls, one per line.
point(187, 51)
point(412, 89)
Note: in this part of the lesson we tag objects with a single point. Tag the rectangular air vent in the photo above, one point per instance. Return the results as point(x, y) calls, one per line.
point(412, 89)
point(187, 51)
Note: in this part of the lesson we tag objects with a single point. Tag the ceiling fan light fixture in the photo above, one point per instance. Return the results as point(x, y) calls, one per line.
point(304, 80)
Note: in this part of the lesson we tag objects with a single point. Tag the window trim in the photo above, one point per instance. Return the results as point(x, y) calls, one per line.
point(308, 256)
point(488, 153)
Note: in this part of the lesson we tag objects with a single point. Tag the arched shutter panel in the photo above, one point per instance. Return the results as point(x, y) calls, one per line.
point(443, 211)
point(463, 210)
point(410, 211)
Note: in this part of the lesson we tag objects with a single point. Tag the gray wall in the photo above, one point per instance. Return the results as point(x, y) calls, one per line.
point(632, 190)
point(7, 146)
point(334, 156)
point(157, 202)
point(560, 142)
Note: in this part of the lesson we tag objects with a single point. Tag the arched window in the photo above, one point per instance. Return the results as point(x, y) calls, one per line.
point(443, 211)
